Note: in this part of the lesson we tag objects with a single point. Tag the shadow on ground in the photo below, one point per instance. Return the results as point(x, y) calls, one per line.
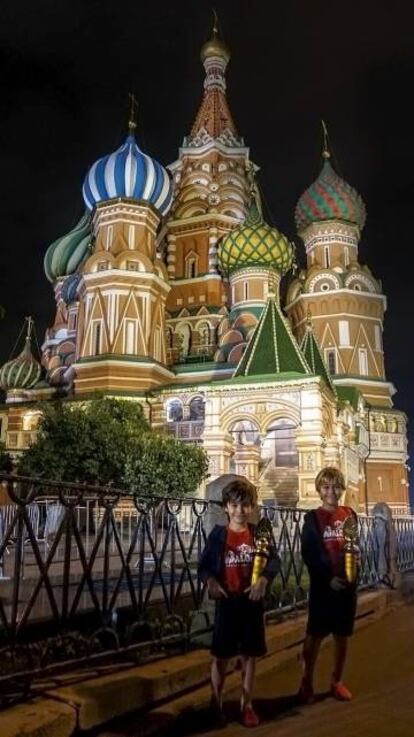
point(201, 721)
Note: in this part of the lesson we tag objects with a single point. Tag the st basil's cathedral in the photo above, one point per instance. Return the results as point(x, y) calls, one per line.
point(167, 293)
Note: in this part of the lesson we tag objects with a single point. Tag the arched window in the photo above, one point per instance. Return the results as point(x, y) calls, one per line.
point(174, 411)
point(204, 332)
point(197, 408)
point(331, 360)
point(280, 444)
point(184, 337)
point(169, 337)
point(191, 265)
point(245, 432)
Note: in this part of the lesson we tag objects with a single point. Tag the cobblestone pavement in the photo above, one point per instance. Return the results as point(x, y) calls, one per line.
point(380, 673)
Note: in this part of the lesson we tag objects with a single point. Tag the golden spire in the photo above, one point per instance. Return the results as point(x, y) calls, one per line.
point(215, 46)
point(325, 151)
point(132, 124)
point(215, 22)
point(29, 322)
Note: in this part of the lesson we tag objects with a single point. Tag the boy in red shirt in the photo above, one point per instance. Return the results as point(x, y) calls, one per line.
point(332, 600)
point(226, 567)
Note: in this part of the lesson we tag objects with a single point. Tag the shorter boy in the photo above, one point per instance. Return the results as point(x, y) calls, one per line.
point(332, 600)
point(226, 566)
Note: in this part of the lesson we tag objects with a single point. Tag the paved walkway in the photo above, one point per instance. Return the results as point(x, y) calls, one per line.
point(380, 672)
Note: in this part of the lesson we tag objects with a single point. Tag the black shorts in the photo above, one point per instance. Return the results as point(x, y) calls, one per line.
point(238, 628)
point(331, 611)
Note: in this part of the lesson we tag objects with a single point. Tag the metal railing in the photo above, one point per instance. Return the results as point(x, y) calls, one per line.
point(90, 573)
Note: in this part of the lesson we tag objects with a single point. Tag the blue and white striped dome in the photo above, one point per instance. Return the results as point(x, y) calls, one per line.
point(128, 172)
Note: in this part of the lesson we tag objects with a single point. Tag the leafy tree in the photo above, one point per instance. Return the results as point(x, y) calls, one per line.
point(84, 441)
point(106, 441)
point(6, 464)
point(160, 465)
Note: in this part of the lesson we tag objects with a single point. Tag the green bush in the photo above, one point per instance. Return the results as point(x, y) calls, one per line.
point(108, 441)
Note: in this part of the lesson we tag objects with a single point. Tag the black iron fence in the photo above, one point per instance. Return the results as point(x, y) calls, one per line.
point(90, 574)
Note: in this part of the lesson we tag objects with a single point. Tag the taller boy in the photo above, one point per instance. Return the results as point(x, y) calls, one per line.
point(226, 566)
point(332, 600)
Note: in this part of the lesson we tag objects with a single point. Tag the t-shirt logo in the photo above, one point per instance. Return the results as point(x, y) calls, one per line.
point(334, 531)
point(239, 556)
point(238, 560)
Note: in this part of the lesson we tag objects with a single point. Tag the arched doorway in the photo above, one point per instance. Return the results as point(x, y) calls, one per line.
point(280, 481)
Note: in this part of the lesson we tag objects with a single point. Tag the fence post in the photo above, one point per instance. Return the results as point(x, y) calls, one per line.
point(386, 545)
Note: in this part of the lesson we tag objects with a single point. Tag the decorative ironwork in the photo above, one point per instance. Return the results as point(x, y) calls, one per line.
point(91, 574)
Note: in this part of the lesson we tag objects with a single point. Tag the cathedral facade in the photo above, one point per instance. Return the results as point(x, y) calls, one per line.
point(167, 293)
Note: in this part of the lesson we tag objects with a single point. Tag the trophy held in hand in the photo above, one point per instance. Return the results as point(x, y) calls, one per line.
point(262, 544)
point(351, 549)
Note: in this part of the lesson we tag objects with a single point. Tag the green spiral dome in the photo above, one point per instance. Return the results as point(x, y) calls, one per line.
point(65, 254)
point(255, 243)
point(22, 372)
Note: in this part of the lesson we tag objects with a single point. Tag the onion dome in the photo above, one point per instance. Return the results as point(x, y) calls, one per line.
point(128, 172)
point(255, 243)
point(66, 254)
point(69, 291)
point(329, 198)
point(22, 372)
point(215, 46)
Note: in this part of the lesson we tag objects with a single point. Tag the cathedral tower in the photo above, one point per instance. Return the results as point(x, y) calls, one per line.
point(347, 307)
point(343, 297)
point(212, 179)
point(121, 322)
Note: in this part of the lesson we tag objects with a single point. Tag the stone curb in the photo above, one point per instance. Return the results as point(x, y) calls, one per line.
point(91, 703)
point(40, 718)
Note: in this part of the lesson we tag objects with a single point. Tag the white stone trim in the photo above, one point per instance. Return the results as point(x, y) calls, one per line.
point(369, 295)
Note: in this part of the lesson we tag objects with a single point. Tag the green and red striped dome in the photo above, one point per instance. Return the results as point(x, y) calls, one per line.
point(329, 198)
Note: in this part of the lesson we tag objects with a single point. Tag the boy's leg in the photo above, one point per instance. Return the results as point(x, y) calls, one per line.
point(248, 672)
point(248, 714)
point(339, 690)
point(340, 651)
point(311, 648)
point(218, 677)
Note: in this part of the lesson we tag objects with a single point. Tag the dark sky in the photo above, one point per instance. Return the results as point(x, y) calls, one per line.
point(66, 69)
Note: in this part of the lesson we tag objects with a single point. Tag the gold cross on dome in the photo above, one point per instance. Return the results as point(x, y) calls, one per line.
point(132, 123)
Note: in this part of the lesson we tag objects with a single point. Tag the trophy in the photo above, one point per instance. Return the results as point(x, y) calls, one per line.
point(351, 549)
point(262, 543)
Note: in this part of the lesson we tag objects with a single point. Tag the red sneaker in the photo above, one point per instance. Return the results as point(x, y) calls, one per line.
point(341, 692)
point(249, 717)
point(305, 693)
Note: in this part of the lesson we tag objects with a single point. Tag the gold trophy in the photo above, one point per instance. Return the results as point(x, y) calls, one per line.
point(351, 549)
point(262, 543)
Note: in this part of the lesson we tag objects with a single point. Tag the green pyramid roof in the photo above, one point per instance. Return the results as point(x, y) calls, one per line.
point(272, 348)
point(312, 352)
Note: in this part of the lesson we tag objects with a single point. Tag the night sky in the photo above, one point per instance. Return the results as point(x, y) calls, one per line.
point(66, 69)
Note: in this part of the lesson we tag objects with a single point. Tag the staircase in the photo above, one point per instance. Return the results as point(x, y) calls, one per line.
point(280, 484)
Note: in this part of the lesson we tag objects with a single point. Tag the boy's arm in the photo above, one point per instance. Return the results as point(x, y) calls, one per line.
point(206, 568)
point(312, 551)
point(205, 563)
